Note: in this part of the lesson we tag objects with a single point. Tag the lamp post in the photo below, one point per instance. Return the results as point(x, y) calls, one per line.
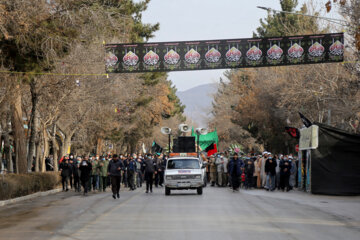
point(167, 131)
point(169, 144)
point(333, 20)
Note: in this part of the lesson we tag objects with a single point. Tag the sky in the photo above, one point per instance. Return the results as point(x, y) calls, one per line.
point(183, 20)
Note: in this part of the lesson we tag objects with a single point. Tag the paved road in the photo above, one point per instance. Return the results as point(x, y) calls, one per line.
point(217, 214)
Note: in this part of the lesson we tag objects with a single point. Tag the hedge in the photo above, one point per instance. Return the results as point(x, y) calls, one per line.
point(18, 185)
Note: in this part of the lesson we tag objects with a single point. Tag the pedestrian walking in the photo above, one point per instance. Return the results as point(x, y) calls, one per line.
point(85, 172)
point(212, 171)
point(262, 169)
point(156, 160)
point(76, 174)
point(219, 162)
point(114, 171)
point(293, 171)
point(249, 172)
point(225, 161)
point(285, 167)
point(65, 172)
point(71, 177)
point(103, 167)
point(257, 177)
point(139, 175)
point(131, 169)
point(125, 162)
point(149, 173)
point(94, 182)
point(235, 166)
point(161, 170)
point(270, 171)
point(277, 169)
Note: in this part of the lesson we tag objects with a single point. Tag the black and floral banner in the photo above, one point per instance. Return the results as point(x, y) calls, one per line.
point(219, 54)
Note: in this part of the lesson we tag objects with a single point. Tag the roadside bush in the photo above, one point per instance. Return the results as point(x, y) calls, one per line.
point(18, 185)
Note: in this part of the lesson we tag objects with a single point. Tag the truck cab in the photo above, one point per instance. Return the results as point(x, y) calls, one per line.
point(184, 171)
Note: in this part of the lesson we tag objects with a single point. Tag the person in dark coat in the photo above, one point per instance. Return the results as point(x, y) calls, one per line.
point(270, 171)
point(125, 163)
point(249, 172)
point(48, 164)
point(131, 171)
point(114, 171)
point(285, 167)
point(76, 174)
point(65, 169)
point(235, 166)
point(149, 172)
point(71, 177)
point(85, 172)
point(161, 170)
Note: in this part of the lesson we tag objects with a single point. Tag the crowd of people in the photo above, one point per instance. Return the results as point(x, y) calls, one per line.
point(250, 171)
point(97, 173)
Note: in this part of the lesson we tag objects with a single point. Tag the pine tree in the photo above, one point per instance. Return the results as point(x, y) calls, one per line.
point(284, 24)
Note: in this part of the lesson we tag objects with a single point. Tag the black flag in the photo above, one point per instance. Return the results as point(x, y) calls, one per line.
point(294, 132)
point(156, 148)
point(306, 121)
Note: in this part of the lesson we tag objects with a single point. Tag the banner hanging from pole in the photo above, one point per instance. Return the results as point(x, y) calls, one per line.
point(222, 54)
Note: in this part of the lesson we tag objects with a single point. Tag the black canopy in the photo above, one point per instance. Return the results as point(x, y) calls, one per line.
point(335, 164)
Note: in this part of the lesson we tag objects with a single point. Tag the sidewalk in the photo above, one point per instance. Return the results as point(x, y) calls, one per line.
point(28, 197)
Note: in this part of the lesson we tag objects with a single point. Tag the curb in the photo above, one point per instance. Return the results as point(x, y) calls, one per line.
point(27, 197)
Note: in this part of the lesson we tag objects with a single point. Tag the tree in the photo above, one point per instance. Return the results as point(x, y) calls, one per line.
point(283, 24)
point(65, 37)
point(263, 101)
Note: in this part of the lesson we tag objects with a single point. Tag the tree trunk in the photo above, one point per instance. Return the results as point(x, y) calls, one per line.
point(46, 149)
point(19, 134)
point(66, 144)
point(1, 150)
point(34, 123)
point(37, 156)
point(55, 148)
point(99, 145)
point(56, 155)
point(7, 150)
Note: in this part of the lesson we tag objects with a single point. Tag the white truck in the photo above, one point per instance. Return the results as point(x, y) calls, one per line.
point(184, 172)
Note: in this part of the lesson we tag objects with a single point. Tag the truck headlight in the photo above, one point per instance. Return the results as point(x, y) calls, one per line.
point(198, 177)
point(168, 178)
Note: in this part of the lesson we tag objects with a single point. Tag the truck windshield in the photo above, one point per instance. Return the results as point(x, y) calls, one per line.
point(183, 164)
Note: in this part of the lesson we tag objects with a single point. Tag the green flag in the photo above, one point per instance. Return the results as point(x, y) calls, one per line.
point(206, 140)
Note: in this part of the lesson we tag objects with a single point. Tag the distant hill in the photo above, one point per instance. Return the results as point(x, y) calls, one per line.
point(198, 102)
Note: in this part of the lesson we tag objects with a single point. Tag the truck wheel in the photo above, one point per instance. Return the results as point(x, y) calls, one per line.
point(167, 191)
point(199, 190)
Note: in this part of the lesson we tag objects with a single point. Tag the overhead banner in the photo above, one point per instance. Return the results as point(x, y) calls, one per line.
point(220, 54)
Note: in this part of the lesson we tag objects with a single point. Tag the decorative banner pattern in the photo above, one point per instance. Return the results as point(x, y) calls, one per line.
point(218, 54)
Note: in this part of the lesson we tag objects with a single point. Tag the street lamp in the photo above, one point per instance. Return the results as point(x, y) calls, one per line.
point(333, 20)
point(167, 131)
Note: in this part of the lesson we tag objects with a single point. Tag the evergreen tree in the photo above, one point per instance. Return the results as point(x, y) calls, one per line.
point(285, 24)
